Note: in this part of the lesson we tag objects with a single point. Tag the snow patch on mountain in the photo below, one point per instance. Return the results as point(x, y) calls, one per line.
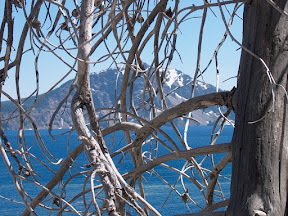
point(180, 97)
point(211, 113)
point(202, 84)
point(173, 76)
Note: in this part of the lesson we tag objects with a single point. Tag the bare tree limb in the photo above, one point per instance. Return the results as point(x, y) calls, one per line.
point(219, 148)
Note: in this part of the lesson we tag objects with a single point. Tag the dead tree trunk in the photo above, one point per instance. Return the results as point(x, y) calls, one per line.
point(260, 141)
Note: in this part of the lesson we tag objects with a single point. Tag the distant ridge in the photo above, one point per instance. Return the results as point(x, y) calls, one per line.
point(104, 94)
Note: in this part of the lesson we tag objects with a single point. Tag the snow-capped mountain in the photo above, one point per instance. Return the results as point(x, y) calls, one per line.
point(176, 79)
point(106, 87)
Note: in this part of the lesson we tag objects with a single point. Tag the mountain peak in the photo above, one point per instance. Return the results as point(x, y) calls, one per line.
point(173, 76)
point(106, 88)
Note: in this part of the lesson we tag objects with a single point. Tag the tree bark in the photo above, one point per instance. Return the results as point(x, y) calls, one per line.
point(259, 145)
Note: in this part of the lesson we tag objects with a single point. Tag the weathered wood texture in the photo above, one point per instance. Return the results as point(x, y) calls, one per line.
point(259, 176)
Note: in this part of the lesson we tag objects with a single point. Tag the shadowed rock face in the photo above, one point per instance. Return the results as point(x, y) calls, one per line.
point(105, 92)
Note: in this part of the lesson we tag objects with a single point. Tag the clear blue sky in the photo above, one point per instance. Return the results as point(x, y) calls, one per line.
point(51, 70)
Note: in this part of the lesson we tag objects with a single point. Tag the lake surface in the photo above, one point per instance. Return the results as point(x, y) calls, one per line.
point(156, 191)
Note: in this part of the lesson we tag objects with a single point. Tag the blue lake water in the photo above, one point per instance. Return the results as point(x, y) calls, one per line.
point(156, 191)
